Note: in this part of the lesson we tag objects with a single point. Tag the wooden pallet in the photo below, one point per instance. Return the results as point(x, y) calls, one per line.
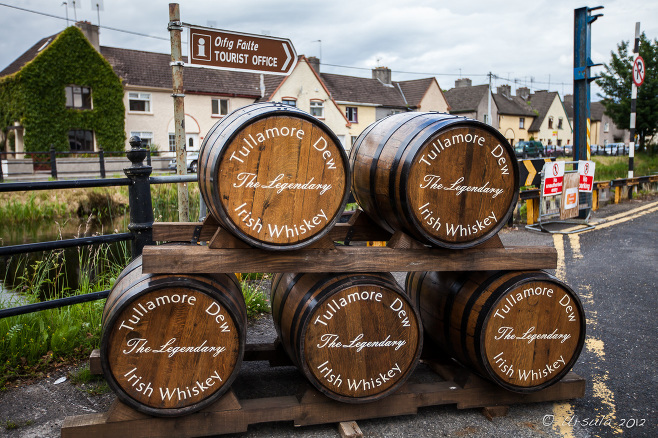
point(224, 253)
point(213, 250)
point(451, 384)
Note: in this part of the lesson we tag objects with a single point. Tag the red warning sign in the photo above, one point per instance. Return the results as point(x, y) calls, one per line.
point(553, 177)
point(586, 172)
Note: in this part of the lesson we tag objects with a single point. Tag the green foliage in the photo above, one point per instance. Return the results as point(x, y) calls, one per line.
point(35, 96)
point(255, 297)
point(609, 168)
point(34, 342)
point(616, 83)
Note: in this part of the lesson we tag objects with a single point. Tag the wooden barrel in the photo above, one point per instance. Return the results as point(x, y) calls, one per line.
point(274, 176)
point(523, 330)
point(172, 344)
point(356, 337)
point(446, 180)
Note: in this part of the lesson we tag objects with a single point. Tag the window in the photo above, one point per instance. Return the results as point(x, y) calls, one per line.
point(147, 137)
point(289, 101)
point(81, 140)
point(559, 142)
point(78, 97)
point(172, 142)
point(521, 122)
point(139, 102)
point(550, 122)
point(219, 107)
point(317, 108)
point(559, 123)
point(486, 118)
point(606, 127)
point(352, 114)
point(354, 137)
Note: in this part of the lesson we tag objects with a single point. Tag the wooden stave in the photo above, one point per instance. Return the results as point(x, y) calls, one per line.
point(315, 289)
point(385, 207)
point(140, 284)
point(225, 131)
point(437, 293)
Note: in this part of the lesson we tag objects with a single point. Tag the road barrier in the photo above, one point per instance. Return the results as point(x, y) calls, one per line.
point(621, 186)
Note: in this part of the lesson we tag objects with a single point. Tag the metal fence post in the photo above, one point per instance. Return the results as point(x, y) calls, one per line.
point(2, 175)
point(139, 197)
point(53, 162)
point(101, 159)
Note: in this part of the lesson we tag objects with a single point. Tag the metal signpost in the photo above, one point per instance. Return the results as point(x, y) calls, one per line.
point(639, 70)
point(224, 50)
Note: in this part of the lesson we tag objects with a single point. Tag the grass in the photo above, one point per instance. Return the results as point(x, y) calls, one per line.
point(255, 297)
point(33, 344)
point(90, 383)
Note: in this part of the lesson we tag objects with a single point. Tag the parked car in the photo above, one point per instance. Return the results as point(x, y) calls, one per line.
point(568, 150)
point(192, 162)
point(528, 149)
point(615, 149)
point(595, 149)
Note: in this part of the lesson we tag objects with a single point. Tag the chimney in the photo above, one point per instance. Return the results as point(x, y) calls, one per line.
point(505, 90)
point(91, 32)
point(463, 82)
point(383, 74)
point(523, 92)
point(314, 62)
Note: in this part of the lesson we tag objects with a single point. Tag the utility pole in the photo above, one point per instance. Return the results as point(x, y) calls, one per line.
point(489, 103)
point(175, 29)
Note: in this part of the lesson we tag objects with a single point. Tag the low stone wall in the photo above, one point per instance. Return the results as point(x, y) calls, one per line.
point(86, 166)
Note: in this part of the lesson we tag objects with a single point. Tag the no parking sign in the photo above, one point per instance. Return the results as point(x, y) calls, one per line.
point(586, 172)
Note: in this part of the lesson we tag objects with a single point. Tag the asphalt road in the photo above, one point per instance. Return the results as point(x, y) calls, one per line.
point(612, 268)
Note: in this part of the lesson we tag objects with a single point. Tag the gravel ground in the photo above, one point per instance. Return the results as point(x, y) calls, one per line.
point(39, 409)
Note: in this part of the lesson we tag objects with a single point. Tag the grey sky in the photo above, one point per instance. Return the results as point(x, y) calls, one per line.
point(530, 41)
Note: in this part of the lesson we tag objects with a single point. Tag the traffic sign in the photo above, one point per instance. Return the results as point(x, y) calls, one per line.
point(227, 50)
point(586, 173)
point(639, 71)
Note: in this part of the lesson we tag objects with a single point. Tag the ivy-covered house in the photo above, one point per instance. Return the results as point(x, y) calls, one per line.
point(62, 93)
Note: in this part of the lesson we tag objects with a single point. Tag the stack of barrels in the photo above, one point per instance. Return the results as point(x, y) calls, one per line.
point(278, 179)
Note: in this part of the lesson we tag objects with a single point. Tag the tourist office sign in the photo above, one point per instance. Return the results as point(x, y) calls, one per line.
point(227, 50)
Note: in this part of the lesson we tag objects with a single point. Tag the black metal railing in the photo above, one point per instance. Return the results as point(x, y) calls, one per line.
point(138, 179)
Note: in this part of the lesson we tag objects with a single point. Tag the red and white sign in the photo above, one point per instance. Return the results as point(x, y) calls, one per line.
point(226, 50)
point(553, 177)
point(639, 71)
point(586, 172)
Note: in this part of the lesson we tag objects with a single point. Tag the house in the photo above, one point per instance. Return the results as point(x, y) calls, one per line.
point(514, 115)
point(304, 89)
point(62, 93)
point(472, 101)
point(602, 129)
point(551, 126)
point(365, 100)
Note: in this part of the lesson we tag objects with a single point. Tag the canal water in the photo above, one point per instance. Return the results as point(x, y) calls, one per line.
point(57, 273)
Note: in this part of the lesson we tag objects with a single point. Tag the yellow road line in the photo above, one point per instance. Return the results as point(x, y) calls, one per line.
point(618, 218)
point(629, 212)
point(574, 242)
point(560, 270)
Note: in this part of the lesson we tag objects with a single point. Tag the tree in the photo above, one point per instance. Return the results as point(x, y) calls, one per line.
point(616, 83)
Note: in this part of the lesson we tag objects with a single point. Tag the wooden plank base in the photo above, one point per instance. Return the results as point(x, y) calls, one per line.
point(452, 385)
point(187, 259)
